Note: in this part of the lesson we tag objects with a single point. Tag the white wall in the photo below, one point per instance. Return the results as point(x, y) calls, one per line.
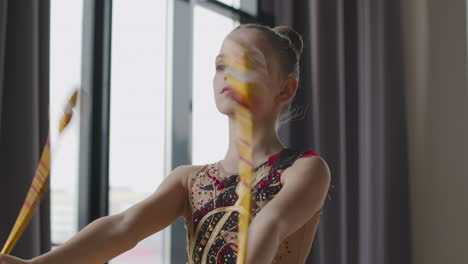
point(435, 33)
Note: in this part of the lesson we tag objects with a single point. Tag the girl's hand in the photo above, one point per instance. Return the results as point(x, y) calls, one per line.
point(6, 259)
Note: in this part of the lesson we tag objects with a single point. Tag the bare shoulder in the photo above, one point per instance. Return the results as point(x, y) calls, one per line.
point(308, 170)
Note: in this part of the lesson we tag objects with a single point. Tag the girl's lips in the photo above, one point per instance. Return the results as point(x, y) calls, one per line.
point(236, 96)
point(226, 89)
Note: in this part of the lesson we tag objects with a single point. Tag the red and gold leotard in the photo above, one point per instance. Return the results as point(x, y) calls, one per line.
point(212, 219)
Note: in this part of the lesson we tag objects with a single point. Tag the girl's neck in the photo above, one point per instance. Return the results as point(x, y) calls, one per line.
point(265, 143)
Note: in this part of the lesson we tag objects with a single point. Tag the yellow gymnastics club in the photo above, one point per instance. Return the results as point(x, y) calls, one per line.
point(39, 183)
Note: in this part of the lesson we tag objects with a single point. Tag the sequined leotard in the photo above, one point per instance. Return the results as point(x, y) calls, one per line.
point(211, 222)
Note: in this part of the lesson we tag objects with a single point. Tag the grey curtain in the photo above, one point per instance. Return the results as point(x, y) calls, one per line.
point(352, 87)
point(3, 20)
point(24, 99)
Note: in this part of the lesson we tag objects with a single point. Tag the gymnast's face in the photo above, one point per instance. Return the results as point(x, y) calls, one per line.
point(264, 92)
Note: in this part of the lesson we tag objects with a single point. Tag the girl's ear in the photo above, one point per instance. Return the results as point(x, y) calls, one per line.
point(288, 90)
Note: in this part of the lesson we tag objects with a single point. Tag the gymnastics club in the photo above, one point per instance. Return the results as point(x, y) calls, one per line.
point(39, 183)
point(241, 77)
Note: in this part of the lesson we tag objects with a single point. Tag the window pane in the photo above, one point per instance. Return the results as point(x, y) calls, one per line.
point(210, 128)
point(137, 113)
point(248, 6)
point(233, 3)
point(65, 76)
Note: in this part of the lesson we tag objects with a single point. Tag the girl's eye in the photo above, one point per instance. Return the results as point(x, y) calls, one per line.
point(220, 67)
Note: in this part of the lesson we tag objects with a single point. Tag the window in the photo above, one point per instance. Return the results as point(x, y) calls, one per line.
point(249, 7)
point(136, 161)
point(65, 76)
point(233, 3)
point(210, 128)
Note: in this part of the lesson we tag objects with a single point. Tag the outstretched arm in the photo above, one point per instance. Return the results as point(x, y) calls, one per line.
point(109, 236)
point(304, 190)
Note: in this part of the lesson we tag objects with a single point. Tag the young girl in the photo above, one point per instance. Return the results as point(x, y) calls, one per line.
point(289, 186)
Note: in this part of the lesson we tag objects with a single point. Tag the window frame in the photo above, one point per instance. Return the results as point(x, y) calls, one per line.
point(93, 189)
point(235, 13)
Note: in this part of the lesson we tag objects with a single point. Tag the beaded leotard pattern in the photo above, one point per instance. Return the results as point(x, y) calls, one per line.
point(212, 225)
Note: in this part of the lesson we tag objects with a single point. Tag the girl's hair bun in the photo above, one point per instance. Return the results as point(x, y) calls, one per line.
point(288, 44)
point(292, 35)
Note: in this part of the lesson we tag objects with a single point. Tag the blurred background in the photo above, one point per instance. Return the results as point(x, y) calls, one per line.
point(383, 98)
